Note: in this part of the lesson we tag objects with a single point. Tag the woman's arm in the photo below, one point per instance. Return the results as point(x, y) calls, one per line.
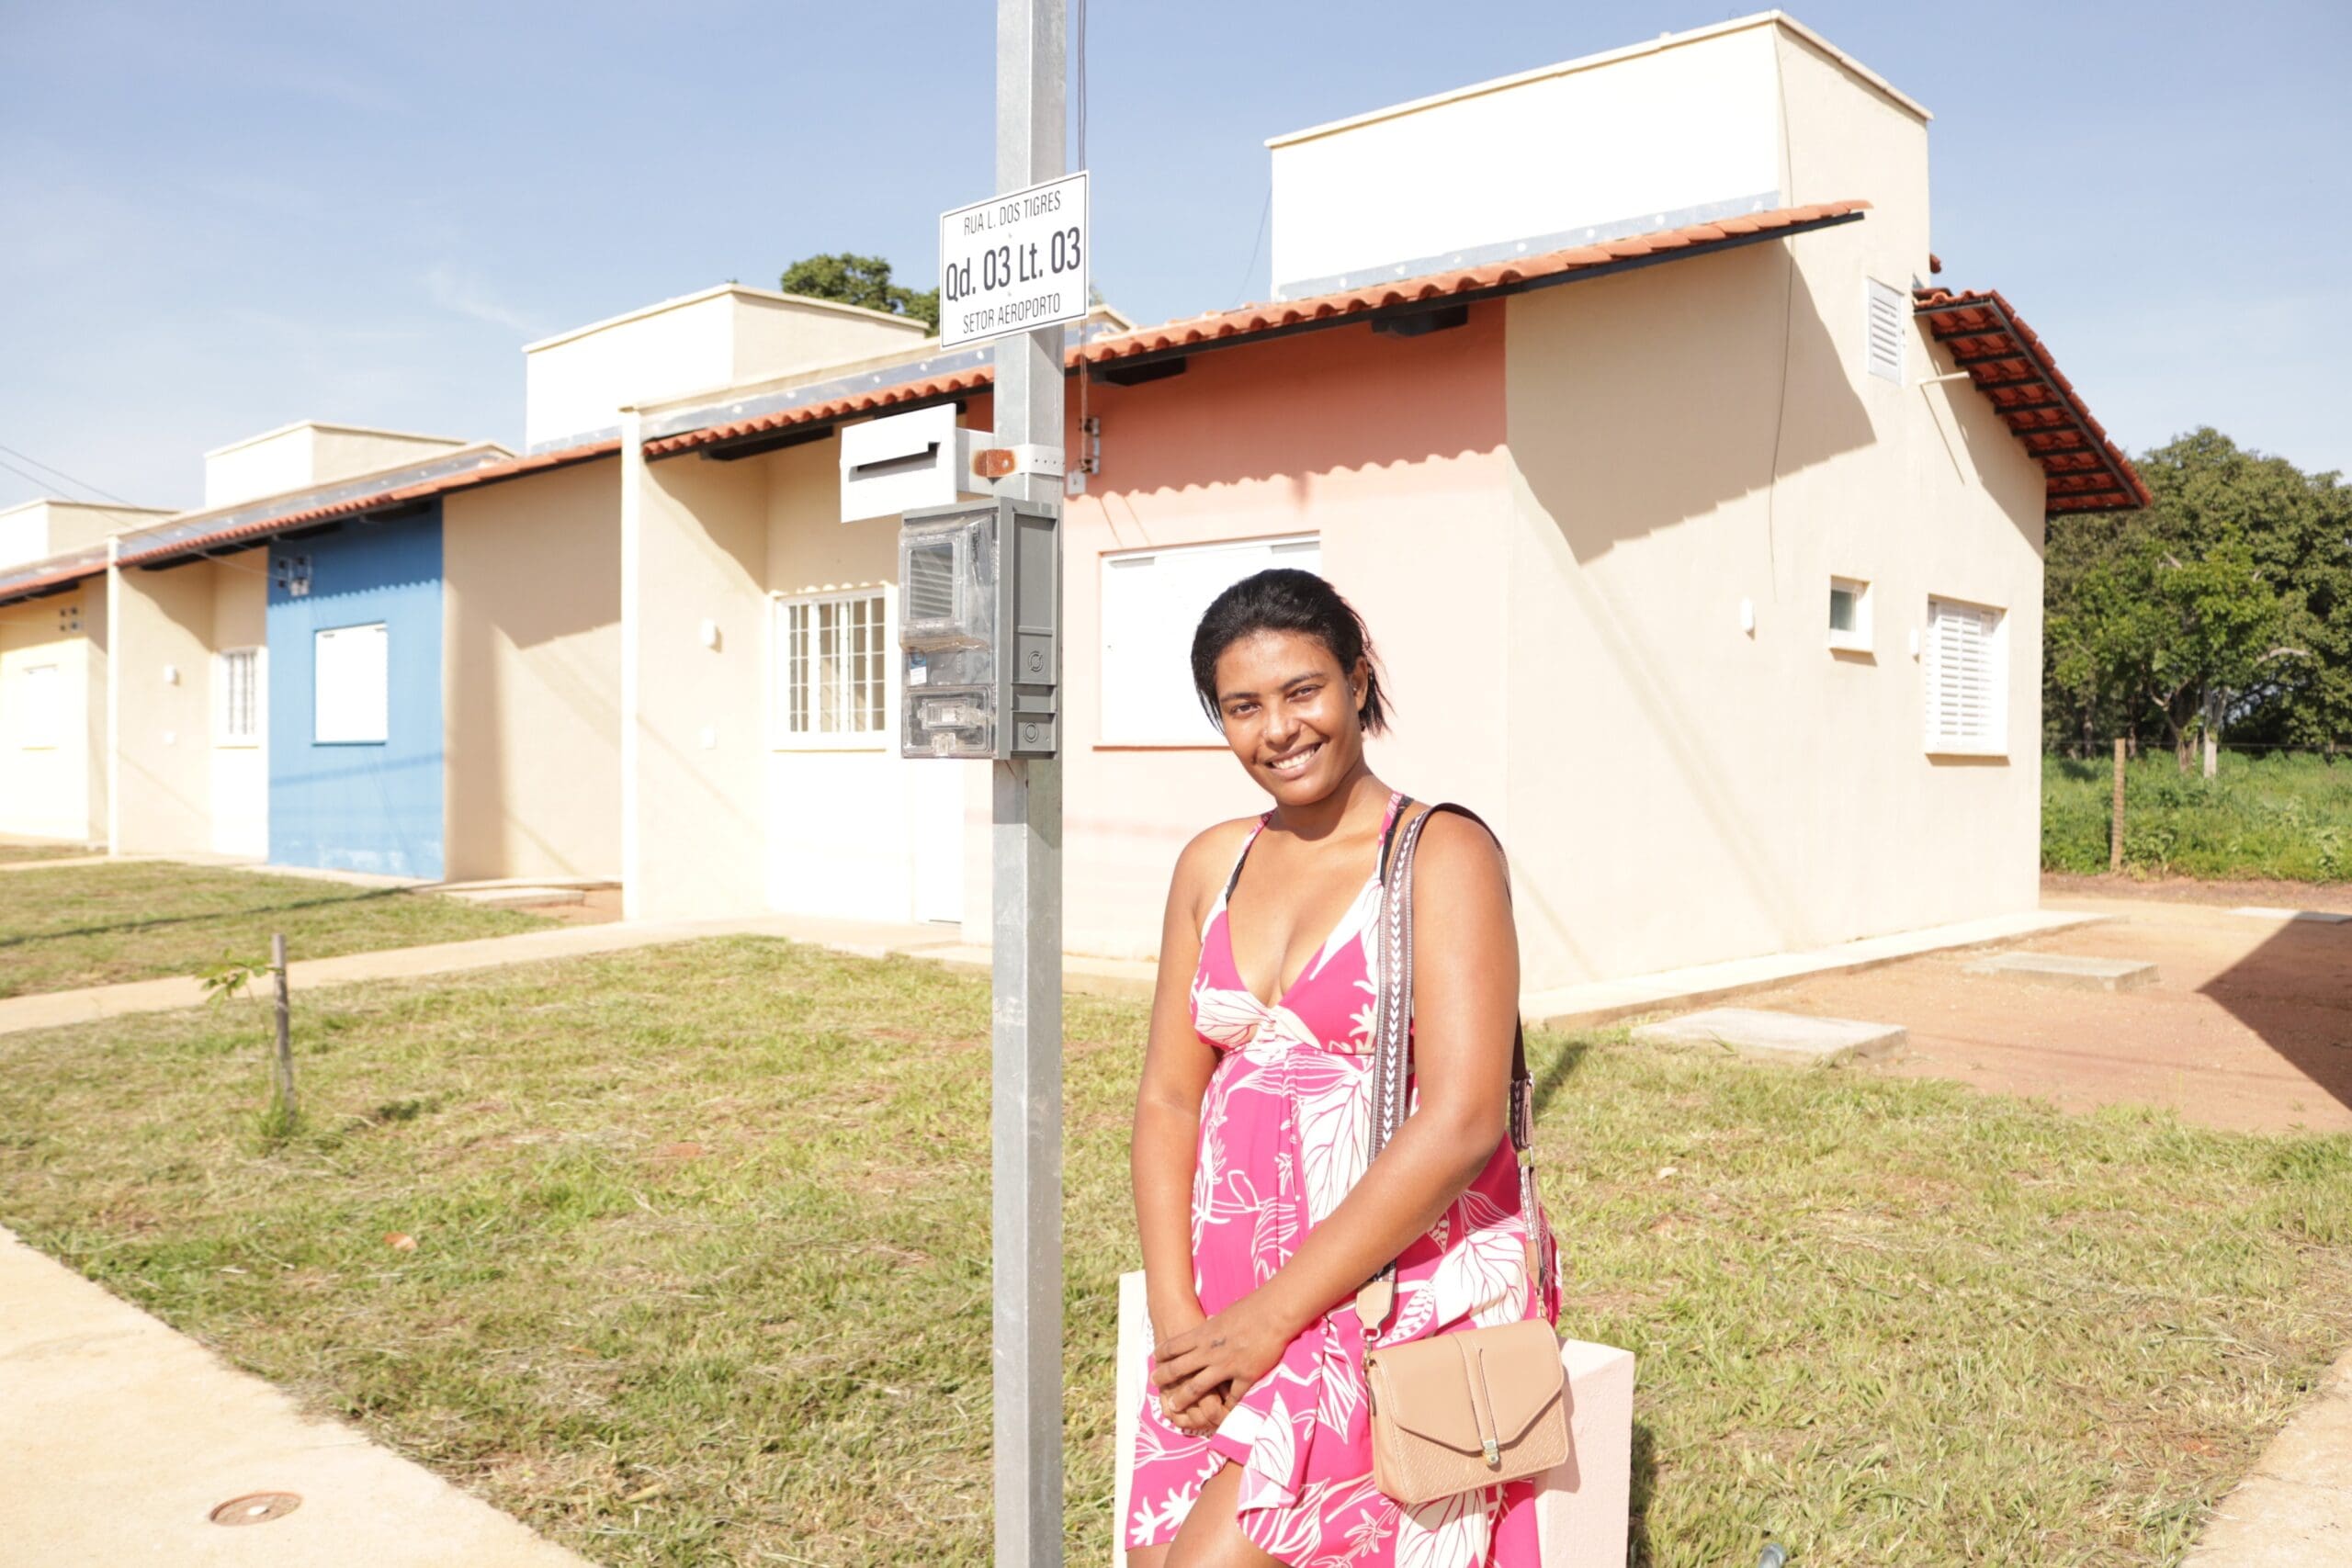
point(1176, 1069)
point(1466, 1004)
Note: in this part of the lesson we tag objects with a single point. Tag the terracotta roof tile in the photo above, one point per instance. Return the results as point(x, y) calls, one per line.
point(2087, 471)
point(833, 407)
point(15, 588)
point(279, 522)
point(1218, 328)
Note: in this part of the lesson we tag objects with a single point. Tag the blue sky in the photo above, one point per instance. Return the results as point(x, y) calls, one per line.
point(216, 220)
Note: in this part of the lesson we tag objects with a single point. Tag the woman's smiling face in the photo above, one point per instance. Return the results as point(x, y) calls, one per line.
point(1290, 713)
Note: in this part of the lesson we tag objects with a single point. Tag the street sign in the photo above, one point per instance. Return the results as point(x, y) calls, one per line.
point(1015, 263)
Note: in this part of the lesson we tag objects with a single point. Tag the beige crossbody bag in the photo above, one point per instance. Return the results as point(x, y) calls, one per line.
point(1477, 1407)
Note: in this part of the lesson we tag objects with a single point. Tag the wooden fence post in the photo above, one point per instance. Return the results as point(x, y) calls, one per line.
point(285, 1025)
point(2115, 823)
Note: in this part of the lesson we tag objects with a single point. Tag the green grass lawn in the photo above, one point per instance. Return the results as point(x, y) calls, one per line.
point(700, 1271)
point(100, 925)
point(2281, 816)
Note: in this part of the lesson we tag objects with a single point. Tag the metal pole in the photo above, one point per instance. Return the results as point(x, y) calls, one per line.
point(1026, 852)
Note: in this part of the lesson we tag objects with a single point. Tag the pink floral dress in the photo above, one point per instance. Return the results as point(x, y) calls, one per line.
point(1283, 1139)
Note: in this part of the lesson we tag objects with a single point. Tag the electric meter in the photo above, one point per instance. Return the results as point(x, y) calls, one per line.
point(979, 622)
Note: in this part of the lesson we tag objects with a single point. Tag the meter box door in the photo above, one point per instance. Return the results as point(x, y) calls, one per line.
point(979, 628)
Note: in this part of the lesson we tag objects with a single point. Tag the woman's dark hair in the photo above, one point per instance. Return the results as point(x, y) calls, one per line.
point(1283, 599)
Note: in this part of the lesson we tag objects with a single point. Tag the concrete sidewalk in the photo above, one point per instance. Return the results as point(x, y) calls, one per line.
point(2295, 1510)
point(869, 939)
point(1568, 1006)
point(122, 1436)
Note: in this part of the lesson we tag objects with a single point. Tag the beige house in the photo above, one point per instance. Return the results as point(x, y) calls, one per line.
point(53, 646)
point(1701, 537)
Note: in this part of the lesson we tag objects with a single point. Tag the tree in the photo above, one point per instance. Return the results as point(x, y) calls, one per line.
point(859, 280)
point(2222, 602)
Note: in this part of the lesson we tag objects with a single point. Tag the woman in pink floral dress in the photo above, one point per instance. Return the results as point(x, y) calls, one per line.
point(1258, 1215)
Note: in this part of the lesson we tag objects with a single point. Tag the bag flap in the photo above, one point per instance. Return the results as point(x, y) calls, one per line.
point(1521, 1367)
point(1423, 1389)
point(1424, 1386)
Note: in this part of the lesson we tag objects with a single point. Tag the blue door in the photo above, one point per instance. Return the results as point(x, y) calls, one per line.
point(355, 698)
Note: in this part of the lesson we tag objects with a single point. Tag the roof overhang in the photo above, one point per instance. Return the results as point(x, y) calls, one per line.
point(44, 579)
point(203, 535)
point(1128, 355)
point(2085, 468)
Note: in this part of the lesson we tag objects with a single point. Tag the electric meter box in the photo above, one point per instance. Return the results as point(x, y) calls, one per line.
point(979, 629)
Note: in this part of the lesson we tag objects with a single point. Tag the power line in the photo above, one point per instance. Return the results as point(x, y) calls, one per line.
point(69, 479)
point(1250, 268)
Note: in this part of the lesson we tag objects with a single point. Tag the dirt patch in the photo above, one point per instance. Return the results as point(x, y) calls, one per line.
point(2248, 1025)
point(2262, 892)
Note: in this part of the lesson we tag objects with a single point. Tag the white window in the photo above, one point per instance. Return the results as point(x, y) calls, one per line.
point(1883, 313)
point(351, 674)
point(42, 695)
point(833, 670)
point(1850, 614)
point(1967, 679)
point(1152, 603)
point(236, 682)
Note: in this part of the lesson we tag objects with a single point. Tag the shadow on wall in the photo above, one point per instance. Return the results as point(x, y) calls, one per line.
point(2295, 993)
point(533, 692)
point(1644, 400)
point(1644, 404)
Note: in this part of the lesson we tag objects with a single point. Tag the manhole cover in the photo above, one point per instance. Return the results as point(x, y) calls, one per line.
point(255, 1508)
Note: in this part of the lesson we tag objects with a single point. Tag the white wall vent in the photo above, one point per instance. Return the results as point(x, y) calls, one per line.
point(1884, 329)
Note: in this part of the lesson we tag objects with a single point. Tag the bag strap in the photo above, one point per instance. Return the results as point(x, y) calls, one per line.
point(1392, 1046)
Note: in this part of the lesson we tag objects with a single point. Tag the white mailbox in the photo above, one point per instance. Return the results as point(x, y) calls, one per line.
point(909, 461)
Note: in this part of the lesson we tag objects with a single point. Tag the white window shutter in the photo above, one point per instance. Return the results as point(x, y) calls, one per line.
point(1965, 681)
point(1152, 603)
point(42, 693)
point(1884, 327)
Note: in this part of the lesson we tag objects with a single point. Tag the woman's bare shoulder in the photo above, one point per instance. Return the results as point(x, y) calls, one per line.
point(1214, 845)
point(1457, 848)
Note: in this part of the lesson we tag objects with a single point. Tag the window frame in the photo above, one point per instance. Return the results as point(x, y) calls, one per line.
point(1936, 743)
point(1207, 737)
point(778, 678)
point(223, 736)
point(1862, 638)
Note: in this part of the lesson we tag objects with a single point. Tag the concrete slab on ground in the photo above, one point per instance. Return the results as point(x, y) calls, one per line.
point(2295, 1509)
point(2069, 970)
point(1782, 1037)
point(123, 1435)
point(515, 898)
point(2319, 917)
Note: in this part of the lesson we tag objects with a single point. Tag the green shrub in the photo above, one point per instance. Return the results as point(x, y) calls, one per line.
point(2281, 816)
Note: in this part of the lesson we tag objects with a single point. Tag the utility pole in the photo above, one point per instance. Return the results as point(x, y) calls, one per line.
point(1026, 853)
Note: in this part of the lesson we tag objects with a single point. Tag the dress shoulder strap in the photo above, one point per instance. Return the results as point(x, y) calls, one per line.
point(1233, 877)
